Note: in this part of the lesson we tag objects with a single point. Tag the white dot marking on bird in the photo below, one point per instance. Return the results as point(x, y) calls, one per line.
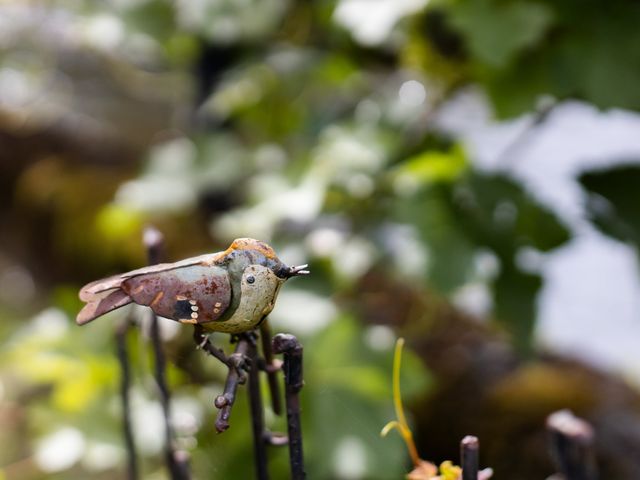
point(194, 315)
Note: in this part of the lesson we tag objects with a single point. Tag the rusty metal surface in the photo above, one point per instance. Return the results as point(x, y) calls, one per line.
point(259, 289)
point(230, 291)
point(198, 294)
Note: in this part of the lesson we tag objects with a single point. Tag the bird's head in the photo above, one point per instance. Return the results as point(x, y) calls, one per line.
point(248, 251)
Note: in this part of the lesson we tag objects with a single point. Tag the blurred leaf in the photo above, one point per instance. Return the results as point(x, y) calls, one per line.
point(497, 213)
point(521, 50)
point(434, 166)
point(77, 391)
point(497, 31)
point(154, 17)
point(115, 222)
point(228, 22)
point(613, 204)
point(450, 252)
point(515, 303)
point(77, 380)
point(517, 89)
point(429, 174)
point(182, 50)
point(340, 352)
point(363, 380)
point(492, 212)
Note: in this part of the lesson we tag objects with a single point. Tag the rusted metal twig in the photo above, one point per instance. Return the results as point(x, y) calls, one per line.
point(237, 362)
point(125, 382)
point(470, 460)
point(177, 461)
point(469, 457)
point(571, 445)
point(270, 367)
point(202, 341)
point(257, 416)
point(292, 366)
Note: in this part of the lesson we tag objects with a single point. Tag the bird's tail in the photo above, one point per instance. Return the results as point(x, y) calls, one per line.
point(102, 297)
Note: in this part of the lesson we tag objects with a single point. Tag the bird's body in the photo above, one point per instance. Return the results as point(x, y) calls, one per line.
point(230, 291)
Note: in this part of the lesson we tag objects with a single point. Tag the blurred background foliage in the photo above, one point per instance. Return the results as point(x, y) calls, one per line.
point(312, 127)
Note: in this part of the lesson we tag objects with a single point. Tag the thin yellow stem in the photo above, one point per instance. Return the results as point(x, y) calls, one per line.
point(403, 427)
point(397, 397)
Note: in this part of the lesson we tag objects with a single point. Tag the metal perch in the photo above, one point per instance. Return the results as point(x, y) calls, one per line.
point(291, 348)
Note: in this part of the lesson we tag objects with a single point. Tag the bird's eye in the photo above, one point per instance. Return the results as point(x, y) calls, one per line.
point(251, 279)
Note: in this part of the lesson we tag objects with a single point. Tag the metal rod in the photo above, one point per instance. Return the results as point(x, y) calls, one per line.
point(257, 415)
point(235, 377)
point(571, 445)
point(125, 382)
point(469, 453)
point(202, 341)
point(177, 462)
point(289, 346)
point(270, 368)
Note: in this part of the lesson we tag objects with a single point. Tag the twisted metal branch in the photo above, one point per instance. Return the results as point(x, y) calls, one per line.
point(237, 362)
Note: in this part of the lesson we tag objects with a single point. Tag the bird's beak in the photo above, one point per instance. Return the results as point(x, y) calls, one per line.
point(297, 271)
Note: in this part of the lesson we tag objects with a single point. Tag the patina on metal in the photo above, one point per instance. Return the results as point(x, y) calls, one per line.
point(230, 291)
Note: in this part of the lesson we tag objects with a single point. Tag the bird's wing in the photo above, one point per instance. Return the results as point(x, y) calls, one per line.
point(115, 298)
point(198, 294)
point(207, 259)
point(98, 288)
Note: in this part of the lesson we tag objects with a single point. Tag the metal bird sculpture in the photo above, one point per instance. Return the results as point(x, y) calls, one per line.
point(230, 291)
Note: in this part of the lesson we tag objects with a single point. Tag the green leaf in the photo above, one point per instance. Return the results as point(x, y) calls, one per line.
point(450, 250)
point(520, 50)
point(435, 166)
point(497, 213)
point(515, 295)
point(497, 31)
point(614, 204)
point(154, 17)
